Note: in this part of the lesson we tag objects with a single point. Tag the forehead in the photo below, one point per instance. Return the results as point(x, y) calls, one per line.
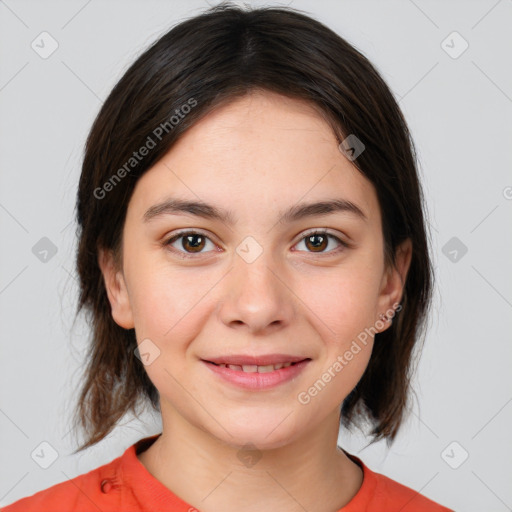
point(263, 151)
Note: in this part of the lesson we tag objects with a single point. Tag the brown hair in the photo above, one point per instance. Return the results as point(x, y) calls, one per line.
point(207, 61)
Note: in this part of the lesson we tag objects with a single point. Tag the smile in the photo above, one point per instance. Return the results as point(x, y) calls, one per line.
point(256, 377)
point(253, 368)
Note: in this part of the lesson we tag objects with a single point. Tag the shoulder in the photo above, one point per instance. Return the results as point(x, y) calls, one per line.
point(394, 492)
point(94, 490)
point(380, 492)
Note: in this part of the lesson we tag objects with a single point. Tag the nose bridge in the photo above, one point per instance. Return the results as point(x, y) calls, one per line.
point(256, 294)
point(255, 267)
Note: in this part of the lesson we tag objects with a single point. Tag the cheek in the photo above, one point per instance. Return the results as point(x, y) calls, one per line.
point(170, 308)
point(343, 304)
point(168, 304)
point(343, 300)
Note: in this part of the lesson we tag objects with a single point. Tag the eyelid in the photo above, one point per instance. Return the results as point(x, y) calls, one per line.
point(324, 231)
point(189, 231)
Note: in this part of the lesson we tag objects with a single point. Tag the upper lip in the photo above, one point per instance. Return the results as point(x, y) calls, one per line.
point(262, 360)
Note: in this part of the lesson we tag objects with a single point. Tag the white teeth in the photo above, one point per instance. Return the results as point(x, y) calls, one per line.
point(252, 368)
point(266, 369)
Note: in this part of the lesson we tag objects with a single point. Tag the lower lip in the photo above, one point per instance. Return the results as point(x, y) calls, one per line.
point(255, 380)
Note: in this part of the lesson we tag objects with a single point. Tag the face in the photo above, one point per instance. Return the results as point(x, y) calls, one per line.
point(254, 288)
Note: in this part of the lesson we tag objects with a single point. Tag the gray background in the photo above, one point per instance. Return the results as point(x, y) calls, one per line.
point(459, 109)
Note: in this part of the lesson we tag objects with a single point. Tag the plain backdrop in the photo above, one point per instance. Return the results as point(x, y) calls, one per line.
point(448, 64)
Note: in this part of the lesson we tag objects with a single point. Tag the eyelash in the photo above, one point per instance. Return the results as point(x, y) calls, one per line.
point(184, 255)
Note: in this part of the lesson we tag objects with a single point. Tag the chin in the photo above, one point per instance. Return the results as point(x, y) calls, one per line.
point(259, 441)
point(259, 433)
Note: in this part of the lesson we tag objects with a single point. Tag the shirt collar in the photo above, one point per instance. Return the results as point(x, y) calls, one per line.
point(152, 495)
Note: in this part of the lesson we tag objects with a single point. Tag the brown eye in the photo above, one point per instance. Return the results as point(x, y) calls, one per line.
point(318, 241)
point(195, 242)
point(191, 243)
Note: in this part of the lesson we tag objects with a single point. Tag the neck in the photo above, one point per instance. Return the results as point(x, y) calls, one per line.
point(311, 473)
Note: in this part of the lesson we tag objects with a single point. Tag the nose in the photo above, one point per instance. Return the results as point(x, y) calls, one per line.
point(257, 296)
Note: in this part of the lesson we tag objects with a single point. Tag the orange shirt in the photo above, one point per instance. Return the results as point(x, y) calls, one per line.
point(125, 485)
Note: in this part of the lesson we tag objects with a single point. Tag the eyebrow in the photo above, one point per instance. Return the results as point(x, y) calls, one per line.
point(174, 206)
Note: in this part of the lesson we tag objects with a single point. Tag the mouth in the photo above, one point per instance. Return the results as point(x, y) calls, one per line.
point(257, 373)
point(254, 368)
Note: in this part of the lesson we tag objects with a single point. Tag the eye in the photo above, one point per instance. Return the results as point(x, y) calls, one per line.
point(318, 241)
point(192, 242)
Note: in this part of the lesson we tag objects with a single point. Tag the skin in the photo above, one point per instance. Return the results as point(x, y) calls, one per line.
point(257, 155)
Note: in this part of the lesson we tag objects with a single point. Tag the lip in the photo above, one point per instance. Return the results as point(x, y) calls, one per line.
point(254, 380)
point(263, 360)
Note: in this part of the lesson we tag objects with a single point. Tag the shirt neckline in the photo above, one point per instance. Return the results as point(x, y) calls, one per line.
point(150, 492)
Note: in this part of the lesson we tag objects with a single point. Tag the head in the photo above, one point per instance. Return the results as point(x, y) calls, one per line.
point(245, 111)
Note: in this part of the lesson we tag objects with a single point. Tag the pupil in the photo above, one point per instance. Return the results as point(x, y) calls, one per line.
point(317, 244)
point(188, 240)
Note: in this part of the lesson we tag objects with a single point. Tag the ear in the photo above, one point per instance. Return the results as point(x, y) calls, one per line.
point(393, 282)
point(116, 290)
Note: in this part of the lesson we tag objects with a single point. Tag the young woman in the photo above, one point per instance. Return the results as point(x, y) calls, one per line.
point(253, 256)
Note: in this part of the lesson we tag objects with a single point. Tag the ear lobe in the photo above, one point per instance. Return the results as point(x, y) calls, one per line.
point(395, 278)
point(117, 292)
